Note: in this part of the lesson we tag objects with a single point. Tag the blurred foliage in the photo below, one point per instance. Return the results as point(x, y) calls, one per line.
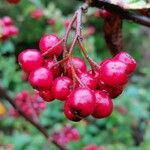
point(121, 131)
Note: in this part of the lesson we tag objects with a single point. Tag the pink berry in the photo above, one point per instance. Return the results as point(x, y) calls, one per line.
point(49, 41)
point(90, 147)
point(46, 95)
point(13, 30)
point(104, 105)
point(51, 65)
point(81, 102)
point(113, 73)
point(128, 60)
point(62, 87)
point(88, 80)
point(7, 21)
point(30, 59)
point(78, 64)
point(41, 79)
point(37, 13)
point(51, 21)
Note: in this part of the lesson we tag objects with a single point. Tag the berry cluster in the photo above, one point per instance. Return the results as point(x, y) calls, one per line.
point(13, 1)
point(66, 135)
point(31, 105)
point(85, 92)
point(7, 28)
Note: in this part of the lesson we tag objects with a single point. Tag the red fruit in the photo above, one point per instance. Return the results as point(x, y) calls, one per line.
point(90, 147)
point(81, 102)
point(13, 1)
point(105, 61)
point(88, 80)
point(113, 73)
point(55, 69)
point(62, 87)
point(69, 114)
point(7, 21)
point(78, 64)
point(95, 74)
point(113, 92)
point(91, 30)
point(41, 79)
point(37, 13)
point(51, 21)
point(13, 30)
point(104, 105)
point(49, 41)
point(30, 59)
point(128, 60)
point(102, 13)
point(46, 95)
point(66, 23)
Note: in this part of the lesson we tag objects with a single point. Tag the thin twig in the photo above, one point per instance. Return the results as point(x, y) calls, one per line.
point(4, 94)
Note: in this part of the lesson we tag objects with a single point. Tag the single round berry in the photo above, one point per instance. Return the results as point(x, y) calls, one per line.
point(13, 1)
point(37, 13)
point(113, 92)
point(7, 21)
point(50, 64)
point(104, 105)
point(62, 87)
point(78, 64)
point(13, 30)
point(69, 114)
point(113, 73)
point(81, 102)
point(46, 95)
point(48, 41)
point(87, 80)
point(41, 79)
point(30, 59)
point(128, 60)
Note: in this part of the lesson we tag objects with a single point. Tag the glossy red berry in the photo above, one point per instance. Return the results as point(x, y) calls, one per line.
point(104, 105)
point(49, 41)
point(13, 1)
point(81, 102)
point(7, 21)
point(62, 87)
point(113, 73)
point(30, 59)
point(69, 114)
point(128, 60)
point(51, 65)
point(78, 64)
point(46, 95)
point(113, 92)
point(41, 79)
point(88, 80)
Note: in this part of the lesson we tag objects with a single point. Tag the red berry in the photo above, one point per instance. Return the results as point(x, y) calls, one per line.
point(113, 92)
point(88, 80)
point(81, 102)
point(95, 74)
point(62, 87)
point(30, 59)
point(13, 1)
point(13, 30)
point(51, 65)
point(90, 147)
point(104, 105)
point(46, 95)
point(49, 41)
point(78, 64)
point(102, 13)
point(51, 21)
point(69, 114)
point(37, 13)
point(113, 73)
point(41, 79)
point(128, 60)
point(7, 21)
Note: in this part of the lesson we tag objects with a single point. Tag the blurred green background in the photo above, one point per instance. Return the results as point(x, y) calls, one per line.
point(128, 128)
